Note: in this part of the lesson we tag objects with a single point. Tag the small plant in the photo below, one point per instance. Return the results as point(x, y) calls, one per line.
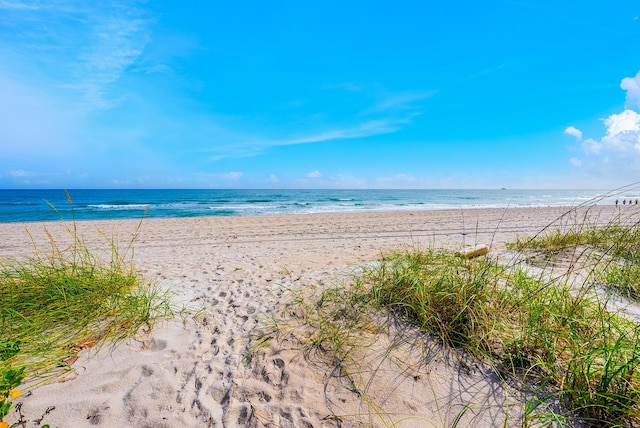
point(8, 350)
point(10, 379)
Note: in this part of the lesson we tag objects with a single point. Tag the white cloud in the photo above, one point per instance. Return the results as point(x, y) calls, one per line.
point(618, 152)
point(591, 147)
point(314, 174)
point(575, 162)
point(571, 130)
point(399, 100)
point(233, 175)
point(625, 122)
point(20, 173)
point(273, 178)
point(632, 86)
point(365, 129)
point(621, 144)
point(619, 149)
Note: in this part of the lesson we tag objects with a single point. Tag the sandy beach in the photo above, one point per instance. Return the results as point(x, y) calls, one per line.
point(235, 273)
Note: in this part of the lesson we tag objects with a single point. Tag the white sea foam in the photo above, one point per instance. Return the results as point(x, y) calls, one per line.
point(119, 206)
point(105, 204)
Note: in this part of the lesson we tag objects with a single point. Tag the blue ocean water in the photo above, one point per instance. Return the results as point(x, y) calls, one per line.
point(34, 205)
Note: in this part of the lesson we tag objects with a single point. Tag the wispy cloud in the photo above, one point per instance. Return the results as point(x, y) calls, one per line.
point(118, 40)
point(21, 173)
point(404, 100)
point(388, 112)
point(61, 62)
point(19, 5)
point(385, 114)
point(361, 130)
point(245, 146)
point(83, 46)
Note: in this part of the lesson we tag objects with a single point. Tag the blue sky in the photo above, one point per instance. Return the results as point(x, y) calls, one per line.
point(290, 94)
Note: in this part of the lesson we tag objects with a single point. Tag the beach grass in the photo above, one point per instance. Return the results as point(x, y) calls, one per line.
point(615, 248)
point(61, 300)
point(550, 328)
point(556, 335)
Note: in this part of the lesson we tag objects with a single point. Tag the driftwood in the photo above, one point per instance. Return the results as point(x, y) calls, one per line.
point(471, 252)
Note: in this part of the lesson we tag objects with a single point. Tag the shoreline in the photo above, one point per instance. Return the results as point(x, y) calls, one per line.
point(237, 271)
point(132, 204)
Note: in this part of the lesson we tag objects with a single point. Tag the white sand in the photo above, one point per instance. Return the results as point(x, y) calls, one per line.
point(237, 269)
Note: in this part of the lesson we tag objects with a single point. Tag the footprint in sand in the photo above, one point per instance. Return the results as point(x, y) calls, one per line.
point(274, 372)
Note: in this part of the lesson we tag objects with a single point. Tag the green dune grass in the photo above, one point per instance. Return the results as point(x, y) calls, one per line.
point(62, 300)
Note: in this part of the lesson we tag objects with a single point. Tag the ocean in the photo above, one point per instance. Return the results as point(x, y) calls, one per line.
point(47, 205)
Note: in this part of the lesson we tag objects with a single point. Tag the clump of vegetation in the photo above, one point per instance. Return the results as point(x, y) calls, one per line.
point(62, 300)
point(541, 324)
point(438, 292)
point(614, 246)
